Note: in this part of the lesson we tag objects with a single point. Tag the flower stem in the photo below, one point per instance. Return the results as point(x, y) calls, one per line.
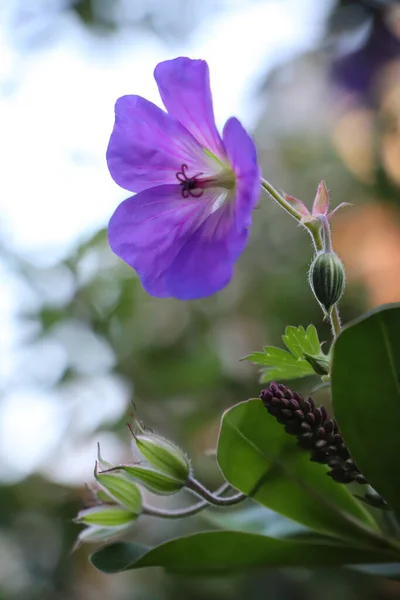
point(179, 513)
point(314, 229)
point(335, 321)
point(199, 489)
point(280, 199)
point(326, 228)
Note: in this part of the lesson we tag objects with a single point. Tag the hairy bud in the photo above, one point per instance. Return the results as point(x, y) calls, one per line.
point(121, 489)
point(105, 516)
point(155, 481)
point(163, 455)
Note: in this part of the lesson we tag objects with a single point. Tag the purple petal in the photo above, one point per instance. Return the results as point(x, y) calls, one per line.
point(243, 157)
point(148, 147)
point(205, 263)
point(184, 86)
point(148, 230)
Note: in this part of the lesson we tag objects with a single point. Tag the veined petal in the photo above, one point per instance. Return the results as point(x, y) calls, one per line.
point(243, 157)
point(205, 263)
point(148, 147)
point(321, 201)
point(184, 87)
point(148, 230)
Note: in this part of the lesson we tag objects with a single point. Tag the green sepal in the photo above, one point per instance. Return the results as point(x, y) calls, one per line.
point(105, 516)
point(153, 480)
point(122, 490)
point(163, 455)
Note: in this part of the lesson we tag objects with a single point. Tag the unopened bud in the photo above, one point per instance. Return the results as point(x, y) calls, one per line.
point(163, 455)
point(94, 534)
point(105, 516)
point(327, 279)
point(319, 363)
point(155, 481)
point(121, 489)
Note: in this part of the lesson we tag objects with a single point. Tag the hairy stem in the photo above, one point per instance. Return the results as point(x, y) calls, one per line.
point(178, 513)
point(314, 229)
point(174, 513)
point(326, 228)
point(199, 489)
point(280, 199)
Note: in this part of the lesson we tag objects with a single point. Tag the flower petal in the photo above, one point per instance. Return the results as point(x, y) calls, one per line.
point(148, 147)
point(148, 230)
point(321, 200)
point(184, 87)
point(243, 157)
point(205, 263)
point(299, 207)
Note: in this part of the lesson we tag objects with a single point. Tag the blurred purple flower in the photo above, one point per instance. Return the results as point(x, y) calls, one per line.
point(187, 225)
point(357, 71)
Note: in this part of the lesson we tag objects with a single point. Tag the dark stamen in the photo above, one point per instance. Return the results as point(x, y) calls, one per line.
point(189, 184)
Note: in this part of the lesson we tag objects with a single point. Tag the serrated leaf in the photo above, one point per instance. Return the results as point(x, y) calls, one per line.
point(295, 371)
point(281, 364)
point(300, 341)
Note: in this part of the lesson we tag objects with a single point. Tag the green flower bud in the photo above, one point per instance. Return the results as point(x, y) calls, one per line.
point(319, 363)
point(105, 516)
point(94, 534)
point(155, 481)
point(327, 279)
point(122, 490)
point(163, 455)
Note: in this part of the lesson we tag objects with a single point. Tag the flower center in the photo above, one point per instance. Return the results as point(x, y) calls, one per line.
point(190, 186)
point(194, 187)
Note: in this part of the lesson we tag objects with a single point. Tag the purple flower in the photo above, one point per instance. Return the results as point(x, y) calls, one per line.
point(358, 71)
point(188, 222)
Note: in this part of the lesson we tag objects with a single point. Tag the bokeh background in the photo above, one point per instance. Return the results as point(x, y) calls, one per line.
point(318, 84)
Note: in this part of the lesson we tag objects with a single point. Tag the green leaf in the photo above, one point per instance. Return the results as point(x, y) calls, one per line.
point(255, 453)
point(281, 364)
point(366, 397)
point(222, 551)
point(255, 519)
point(300, 341)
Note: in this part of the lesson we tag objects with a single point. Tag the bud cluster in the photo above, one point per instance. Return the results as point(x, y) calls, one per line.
point(116, 497)
point(314, 429)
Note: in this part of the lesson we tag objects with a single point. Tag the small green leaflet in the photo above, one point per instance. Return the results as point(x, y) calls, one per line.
point(303, 346)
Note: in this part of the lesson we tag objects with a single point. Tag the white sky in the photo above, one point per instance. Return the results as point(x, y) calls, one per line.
point(55, 189)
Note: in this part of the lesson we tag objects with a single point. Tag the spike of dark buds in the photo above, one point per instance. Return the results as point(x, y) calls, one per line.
point(314, 429)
